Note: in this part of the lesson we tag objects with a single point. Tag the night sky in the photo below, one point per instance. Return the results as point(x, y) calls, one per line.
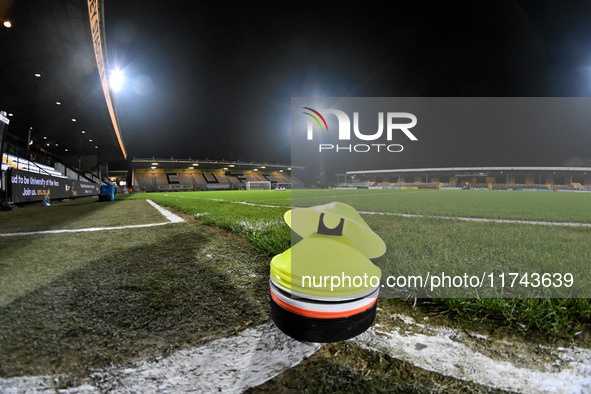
point(216, 80)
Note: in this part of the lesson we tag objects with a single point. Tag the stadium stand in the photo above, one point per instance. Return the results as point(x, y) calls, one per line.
point(9, 160)
point(252, 177)
point(277, 179)
point(185, 179)
point(296, 183)
point(145, 182)
point(161, 179)
point(354, 185)
point(59, 171)
point(152, 175)
point(576, 179)
point(27, 181)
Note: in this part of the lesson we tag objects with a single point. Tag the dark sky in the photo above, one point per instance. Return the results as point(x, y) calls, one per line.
point(215, 79)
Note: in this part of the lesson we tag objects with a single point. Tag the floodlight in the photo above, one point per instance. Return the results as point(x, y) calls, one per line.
point(116, 79)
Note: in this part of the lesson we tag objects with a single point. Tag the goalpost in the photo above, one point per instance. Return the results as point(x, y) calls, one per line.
point(258, 185)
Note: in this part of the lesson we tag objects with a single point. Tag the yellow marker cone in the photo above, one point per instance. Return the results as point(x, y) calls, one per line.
point(325, 288)
point(327, 268)
point(304, 221)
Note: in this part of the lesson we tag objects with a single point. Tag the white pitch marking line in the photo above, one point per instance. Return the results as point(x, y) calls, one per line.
point(234, 202)
point(167, 214)
point(81, 230)
point(408, 215)
point(256, 355)
point(172, 218)
point(443, 355)
point(230, 365)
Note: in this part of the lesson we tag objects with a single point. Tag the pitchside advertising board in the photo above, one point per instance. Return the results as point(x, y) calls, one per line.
point(334, 135)
point(24, 186)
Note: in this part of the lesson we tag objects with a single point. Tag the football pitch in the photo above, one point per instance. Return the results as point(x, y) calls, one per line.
point(498, 204)
point(140, 287)
point(433, 238)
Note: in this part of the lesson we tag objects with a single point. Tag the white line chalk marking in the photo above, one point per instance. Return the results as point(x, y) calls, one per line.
point(229, 365)
point(441, 354)
point(172, 218)
point(81, 230)
point(254, 356)
point(167, 214)
point(409, 215)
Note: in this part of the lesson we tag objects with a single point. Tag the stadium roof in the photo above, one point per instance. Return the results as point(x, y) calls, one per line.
point(49, 76)
point(472, 169)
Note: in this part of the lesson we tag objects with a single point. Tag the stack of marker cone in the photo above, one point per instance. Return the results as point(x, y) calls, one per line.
point(325, 288)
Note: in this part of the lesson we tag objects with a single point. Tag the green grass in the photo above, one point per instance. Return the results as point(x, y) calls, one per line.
point(268, 197)
point(498, 204)
point(420, 245)
point(560, 317)
point(73, 302)
point(76, 214)
point(126, 295)
point(346, 368)
point(28, 262)
point(262, 226)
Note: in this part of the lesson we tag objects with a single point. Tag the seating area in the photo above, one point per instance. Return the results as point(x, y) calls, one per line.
point(480, 185)
point(577, 186)
point(59, 171)
point(9, 160)
point(185, 180)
